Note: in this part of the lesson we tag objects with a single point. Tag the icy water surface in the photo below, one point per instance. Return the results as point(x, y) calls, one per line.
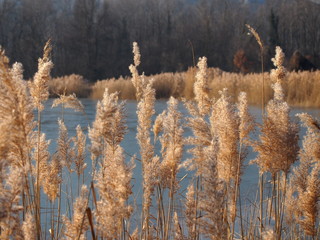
point(50, 126)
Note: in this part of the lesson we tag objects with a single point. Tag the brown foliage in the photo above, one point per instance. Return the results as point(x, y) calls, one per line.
point(241, 62)
point(298, 62)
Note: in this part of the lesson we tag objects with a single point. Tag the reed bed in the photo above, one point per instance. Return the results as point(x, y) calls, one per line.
point(301, 88)
point(71, 84)
point(35, 183)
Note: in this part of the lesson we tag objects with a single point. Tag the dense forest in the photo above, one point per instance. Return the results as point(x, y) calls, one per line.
point(93, 38)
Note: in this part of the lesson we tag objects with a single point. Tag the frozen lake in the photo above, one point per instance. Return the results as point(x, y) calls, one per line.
point(72, 119)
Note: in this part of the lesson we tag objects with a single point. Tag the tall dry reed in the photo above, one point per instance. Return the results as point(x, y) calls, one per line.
point(145, 95)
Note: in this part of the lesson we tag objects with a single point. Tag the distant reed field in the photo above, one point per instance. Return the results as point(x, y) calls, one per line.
point(301, 88)
point(47, 195)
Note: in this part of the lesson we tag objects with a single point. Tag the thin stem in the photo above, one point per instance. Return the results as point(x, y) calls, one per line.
point(261, 202)
point(161, 216)
point(262, 72)
point(52, 219)
point(38, 201)
point(283, 202)
point(59, 210)
point(240, 212)
point(199, 181)
point(171, 195)
point(237, 192)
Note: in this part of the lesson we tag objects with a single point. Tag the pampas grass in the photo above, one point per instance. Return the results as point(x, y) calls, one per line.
point(219, 139)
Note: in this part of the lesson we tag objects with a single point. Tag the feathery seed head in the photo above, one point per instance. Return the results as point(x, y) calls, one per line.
point(278, 145)
point(136, 54)
point(64, 150)
point(42, 155)
point(138, 81)
point(53, 178)
point(29, 227)
point(39, 89)
point(109, 126)
point(246, 120)
point(17, 71)
point(201, 88)
point(171, 143)
point(211, 198)
point(80, 223)
point(278, 60)
point(190, 211)
point(256, 35)
point(79, 150)
point(114, 190)
point(70, 101)
point(225, 128)
point(177, 228)
point(268, 234)
point(280, 72)
point(311, 141)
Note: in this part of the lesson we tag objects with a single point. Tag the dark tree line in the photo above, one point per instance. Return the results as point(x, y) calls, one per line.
point(93, 37)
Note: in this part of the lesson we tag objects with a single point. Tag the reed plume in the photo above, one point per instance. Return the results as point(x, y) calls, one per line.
point(114, 186)
point(305, 193)
point(44, 156)
point(16, 109)
point(177, 227)
point(269, 235)
point(53, 178)
point(197, 122)
point(225, 124)
point(145, 95)
point(231, 126)
point(247, 124)
point(76, 228)
point(5, 142)
point(256, 35)
point(10, 191)
point(79, 151)
point(171, 150)
point(308, 203)
point(105, 129)
point(278, 144)
point(39, 89)
point(201, 88)
point(213, 222)
point(191, 212)
point(29, 228)
point(39, 92)
point(16, 106)
point(70, 101)
point(202, 137)
point(114, 190)
point(136, 81)
point(261, 45)
point(171, 145)
point(64, 149)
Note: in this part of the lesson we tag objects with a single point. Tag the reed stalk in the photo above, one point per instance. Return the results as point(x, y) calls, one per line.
point(261, 185)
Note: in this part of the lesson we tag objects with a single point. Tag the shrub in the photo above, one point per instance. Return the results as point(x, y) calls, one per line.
point(70, 84)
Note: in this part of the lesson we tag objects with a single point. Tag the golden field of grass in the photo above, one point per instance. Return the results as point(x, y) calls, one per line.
point(301, 88)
